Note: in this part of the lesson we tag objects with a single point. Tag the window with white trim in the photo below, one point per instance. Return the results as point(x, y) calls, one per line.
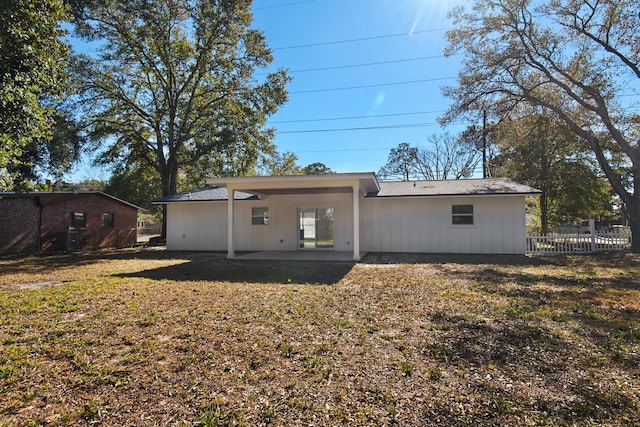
point(462, 214)
point(260, 216)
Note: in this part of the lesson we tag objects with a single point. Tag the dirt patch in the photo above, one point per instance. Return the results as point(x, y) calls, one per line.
point(33, 285)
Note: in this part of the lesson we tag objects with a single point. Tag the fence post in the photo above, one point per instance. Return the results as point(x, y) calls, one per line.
point(592, 231)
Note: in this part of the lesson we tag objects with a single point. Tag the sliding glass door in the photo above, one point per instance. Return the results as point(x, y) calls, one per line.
point(316, 228)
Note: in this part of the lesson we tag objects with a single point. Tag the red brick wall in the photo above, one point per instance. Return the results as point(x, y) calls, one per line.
point(56, 221)
point(18, 224)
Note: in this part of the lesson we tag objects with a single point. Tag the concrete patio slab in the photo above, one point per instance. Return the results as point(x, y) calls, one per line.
point(306, 255)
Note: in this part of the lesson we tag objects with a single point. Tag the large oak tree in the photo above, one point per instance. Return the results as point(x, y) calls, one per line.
point(576, 59)
point(32, 78)
point(174, 84)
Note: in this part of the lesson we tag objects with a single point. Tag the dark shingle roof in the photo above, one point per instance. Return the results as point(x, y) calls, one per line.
point(48, 197)
point(205, 194)
point(460, 187)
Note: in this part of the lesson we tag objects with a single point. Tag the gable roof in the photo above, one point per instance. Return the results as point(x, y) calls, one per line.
point(206, 194)
point(50, 197)
point(459, 187)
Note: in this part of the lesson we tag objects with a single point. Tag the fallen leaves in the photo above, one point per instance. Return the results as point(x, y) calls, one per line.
point(154, 338)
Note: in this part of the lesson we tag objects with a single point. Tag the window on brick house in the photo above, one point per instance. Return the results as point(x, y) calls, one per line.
point(107, 220)
point(78, 219)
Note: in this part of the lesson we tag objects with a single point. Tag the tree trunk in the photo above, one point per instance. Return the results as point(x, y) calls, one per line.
point(544, 214)
point(169, 187)
point(633, 215)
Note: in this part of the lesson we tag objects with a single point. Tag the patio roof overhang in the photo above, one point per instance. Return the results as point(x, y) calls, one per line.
point(301, 184)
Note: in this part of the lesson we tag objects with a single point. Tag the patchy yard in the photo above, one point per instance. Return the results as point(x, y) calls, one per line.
point(144, 337)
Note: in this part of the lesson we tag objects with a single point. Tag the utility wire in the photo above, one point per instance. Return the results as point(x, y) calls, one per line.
point(373, 85)
point(359, 39)
point(357, 117)
point(402, 126)
point(368, 64)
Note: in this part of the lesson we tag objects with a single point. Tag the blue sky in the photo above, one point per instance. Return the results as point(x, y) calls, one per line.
point(405, 40)
point(367, 76)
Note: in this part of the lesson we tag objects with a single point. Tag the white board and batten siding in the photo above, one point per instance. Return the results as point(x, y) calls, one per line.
point(197, 226)
point(425, 225)
point(203, 225)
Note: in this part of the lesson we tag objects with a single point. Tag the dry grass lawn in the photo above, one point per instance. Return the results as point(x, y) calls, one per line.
point(146, 337)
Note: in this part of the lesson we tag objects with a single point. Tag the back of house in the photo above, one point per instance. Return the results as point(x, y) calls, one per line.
point(352, 213)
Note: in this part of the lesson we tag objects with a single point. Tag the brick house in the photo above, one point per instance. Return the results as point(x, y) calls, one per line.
point(65, 220)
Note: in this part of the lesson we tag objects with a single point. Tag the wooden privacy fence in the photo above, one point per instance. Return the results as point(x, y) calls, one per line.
point(592, 242)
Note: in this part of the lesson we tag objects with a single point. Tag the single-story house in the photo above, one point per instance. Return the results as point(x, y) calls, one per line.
point(37, 221)
point(349, 212)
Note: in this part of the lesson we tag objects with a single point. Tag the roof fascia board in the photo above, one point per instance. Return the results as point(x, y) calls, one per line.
point(450, 196)
point(365, 181)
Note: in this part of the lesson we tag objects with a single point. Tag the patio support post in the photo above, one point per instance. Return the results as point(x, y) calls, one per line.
point(230, 223)
point(356, 222)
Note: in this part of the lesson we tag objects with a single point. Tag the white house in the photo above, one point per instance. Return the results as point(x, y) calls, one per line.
point(350, 212)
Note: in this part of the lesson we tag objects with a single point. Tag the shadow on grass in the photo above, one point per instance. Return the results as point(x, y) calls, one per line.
point(210, 269)
point(469, 259)
point(596, 303)
point(50, 261)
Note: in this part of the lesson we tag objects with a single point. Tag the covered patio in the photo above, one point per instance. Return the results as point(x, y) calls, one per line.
point(358, 184)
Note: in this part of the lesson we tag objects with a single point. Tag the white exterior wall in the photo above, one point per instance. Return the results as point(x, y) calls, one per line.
point(386, 224)
point(197, 226)
point(203, 225)
point(424, 225)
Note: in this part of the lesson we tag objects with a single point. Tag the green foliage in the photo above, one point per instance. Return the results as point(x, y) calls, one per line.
point(136, 184)
point(215, 416)
point(280, 164)
point(540, 150)
point(54, 156)
point(32, 75)
point(173, 88)
point(401, 163)
point(316, 168)
point(406, 368)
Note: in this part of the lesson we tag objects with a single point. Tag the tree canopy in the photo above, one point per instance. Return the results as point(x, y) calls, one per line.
point(577, 60)
point(32, 76)
point(174, 86)
point(539, 150)
point(317, 168)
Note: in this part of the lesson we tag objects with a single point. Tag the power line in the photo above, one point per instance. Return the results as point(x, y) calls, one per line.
point(401, 126)
point(368, 64)
point(357, 117)
point(373, 85)
point(359, 39)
